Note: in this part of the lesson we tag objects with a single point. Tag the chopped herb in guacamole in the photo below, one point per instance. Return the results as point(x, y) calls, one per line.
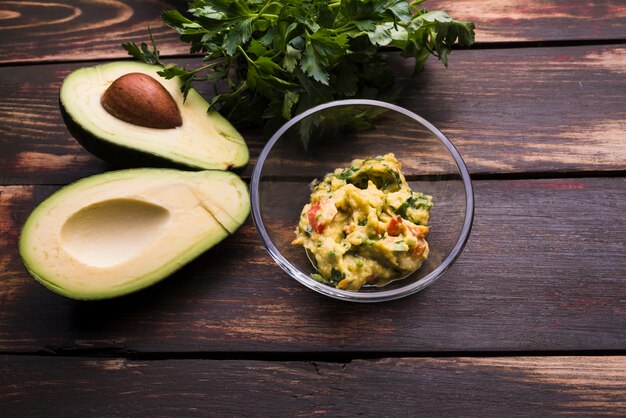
point(364, 224)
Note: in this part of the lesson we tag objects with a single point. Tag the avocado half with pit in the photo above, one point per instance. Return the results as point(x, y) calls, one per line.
point(118, 232)
point(125, 113)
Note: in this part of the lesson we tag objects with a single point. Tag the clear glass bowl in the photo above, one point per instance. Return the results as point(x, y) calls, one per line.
point(431, 164)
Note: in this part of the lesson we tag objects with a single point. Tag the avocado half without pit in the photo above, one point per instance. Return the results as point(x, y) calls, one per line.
point(125, 113)
point(121, 231)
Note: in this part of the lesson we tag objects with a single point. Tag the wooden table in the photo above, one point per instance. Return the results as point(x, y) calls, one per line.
point(530, 321)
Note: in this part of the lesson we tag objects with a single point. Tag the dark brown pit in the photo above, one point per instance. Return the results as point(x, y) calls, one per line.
point(141, 100)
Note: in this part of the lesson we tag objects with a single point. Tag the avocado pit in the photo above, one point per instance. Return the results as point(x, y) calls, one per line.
point(205, 140)
point(141, 100)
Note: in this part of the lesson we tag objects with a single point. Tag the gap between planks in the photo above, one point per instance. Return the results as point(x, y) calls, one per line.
point(564, 43)
point(548, 175)
point(318, 356)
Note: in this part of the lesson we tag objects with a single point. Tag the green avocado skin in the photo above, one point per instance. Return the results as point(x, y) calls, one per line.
point(101, 296)
point(118, 144)
point(161, 274)
point(119, 155)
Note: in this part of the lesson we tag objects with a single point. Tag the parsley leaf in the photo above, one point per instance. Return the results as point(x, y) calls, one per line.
point(142, 53)
point(347, 173)
point(269, 60)
point(416, 201)
point(336, 276)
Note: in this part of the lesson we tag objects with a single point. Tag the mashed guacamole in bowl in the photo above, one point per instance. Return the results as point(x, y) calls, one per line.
point(364, 226)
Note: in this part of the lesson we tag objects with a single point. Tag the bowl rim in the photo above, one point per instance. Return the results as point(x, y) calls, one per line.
point(347, 295)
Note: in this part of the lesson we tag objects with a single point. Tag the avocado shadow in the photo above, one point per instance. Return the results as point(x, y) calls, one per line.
point(156, 304)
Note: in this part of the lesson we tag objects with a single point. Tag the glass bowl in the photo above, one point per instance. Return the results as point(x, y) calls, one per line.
point(335, 134)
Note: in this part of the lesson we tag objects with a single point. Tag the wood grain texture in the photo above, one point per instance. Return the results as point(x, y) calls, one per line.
point(80, 29)
point(486, 387)
point(544, 269)
point(538, 20)
point(508, 111)
point(33, 31)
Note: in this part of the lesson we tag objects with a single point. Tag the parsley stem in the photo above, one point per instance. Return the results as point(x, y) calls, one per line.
point(413, 5)
point(245, 55)
point(262, 13)
point(345, 28)
point(204, 67)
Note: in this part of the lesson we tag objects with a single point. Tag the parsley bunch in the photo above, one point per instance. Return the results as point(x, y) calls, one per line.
point(271, 59)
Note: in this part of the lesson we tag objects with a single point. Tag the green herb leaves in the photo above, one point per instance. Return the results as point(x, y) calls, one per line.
point(335, 277)
point(271, 59)
point(142, 53)
point(416, 201)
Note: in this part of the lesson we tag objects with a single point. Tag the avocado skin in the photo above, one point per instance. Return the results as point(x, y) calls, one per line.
point(117, 154)
point(114, 293)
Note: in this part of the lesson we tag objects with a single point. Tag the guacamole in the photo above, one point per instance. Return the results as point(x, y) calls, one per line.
point(364, 224)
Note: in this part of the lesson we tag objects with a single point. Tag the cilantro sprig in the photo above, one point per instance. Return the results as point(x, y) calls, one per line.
point(271, 59)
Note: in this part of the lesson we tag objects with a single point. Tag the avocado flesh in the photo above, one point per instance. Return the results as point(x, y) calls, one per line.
point(203, 141)
point(118, 232)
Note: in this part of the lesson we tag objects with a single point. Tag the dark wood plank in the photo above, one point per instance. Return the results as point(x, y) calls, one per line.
point(486, 387)
point(538, 20)
point(508, 111)
point(35, 145)
point(81, 29)
point(544, 270)
point(530, 110)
